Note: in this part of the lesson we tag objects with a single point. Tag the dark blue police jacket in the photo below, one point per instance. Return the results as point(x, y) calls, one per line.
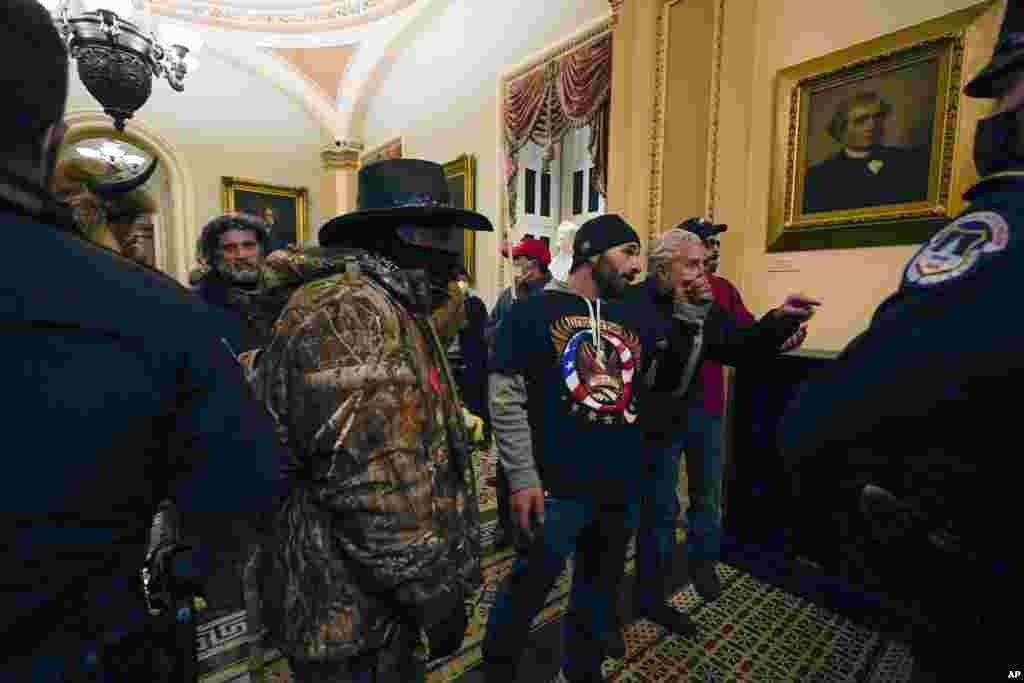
point(924, 399)
point(120, 389)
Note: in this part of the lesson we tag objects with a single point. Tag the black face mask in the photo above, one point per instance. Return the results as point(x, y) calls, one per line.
point(997, 143)
point(436, 262)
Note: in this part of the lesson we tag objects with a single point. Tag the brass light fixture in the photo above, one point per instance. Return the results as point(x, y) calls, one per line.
point(118, 52)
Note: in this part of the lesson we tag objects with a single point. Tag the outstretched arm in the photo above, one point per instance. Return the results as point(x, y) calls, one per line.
point(734, 343)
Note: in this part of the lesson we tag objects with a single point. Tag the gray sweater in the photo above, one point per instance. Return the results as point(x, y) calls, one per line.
point(510, 422)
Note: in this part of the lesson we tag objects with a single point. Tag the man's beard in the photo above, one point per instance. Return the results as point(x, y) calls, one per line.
point(610, 284)
point(240, 273)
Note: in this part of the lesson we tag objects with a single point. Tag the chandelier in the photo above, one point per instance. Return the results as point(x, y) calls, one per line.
point(118, 51)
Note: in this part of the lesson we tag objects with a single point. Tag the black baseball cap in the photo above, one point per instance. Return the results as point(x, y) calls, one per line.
point(702, 228)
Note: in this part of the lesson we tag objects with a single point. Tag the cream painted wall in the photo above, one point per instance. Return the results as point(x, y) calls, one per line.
point(441, 94)
point(761, 38)
point(230, 122)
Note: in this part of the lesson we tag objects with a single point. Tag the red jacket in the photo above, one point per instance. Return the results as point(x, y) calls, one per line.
point(711, 377)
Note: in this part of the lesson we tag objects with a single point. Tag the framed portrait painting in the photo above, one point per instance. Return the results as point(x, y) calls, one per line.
point(283, 209)
point(867, 150)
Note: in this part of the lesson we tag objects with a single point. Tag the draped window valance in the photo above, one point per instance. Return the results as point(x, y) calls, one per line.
point(569, 91)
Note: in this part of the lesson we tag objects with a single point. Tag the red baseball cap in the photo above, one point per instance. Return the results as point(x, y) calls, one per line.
point(535, 249)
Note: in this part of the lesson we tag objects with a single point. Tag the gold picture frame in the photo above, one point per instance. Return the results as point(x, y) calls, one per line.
point(288, 207)
point(461, 177)
point(822, 198)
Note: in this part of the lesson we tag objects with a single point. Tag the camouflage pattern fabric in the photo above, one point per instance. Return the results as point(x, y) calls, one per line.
point(450, 318)
point(383, 518)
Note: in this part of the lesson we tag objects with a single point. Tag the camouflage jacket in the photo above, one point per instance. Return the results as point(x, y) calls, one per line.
point(259, 308)
point(382, 525)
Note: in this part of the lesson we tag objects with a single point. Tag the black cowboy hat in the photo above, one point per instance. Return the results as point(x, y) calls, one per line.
point(1008, 55)
point(397, 192)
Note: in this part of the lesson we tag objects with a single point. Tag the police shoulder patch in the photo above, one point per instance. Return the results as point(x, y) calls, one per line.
point(958, 249)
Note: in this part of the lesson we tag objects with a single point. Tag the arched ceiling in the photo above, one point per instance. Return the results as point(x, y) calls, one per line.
point(323, 66)
point(331, 54)
point(317, 50)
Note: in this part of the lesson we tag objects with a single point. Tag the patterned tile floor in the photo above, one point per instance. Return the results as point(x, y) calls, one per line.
point(754, 633)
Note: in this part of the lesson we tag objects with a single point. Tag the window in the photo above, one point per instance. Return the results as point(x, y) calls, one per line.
point(577, 193)
point(538, 192)
point(545, 194)
point(579, 202)
point(530, 196)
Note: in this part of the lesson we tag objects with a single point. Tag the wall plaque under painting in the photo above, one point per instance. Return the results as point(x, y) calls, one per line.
point(866, 147)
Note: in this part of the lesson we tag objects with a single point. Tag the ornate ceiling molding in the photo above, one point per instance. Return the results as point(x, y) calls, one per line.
point(304, 17)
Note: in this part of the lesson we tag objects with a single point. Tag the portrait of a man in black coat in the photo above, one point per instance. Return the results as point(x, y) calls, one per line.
point(865, 172)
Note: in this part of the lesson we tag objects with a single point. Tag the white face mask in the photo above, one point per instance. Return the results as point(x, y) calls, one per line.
point(518, 272)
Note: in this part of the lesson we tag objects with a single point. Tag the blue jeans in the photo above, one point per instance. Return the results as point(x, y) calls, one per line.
point(702, 442)
point(656, 539)
point(597, 535)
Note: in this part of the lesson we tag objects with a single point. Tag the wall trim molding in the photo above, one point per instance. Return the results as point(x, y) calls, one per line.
point(175, 240)
point(657, 137)
point(713, 109)
point(589, 34)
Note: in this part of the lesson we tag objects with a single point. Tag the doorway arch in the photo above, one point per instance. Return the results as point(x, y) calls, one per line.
point(176, 233)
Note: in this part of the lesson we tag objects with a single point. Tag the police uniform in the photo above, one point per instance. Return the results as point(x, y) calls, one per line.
point(921, 404)
point(120, 390)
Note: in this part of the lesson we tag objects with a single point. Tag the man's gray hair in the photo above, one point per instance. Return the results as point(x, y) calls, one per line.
point(668, 246)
